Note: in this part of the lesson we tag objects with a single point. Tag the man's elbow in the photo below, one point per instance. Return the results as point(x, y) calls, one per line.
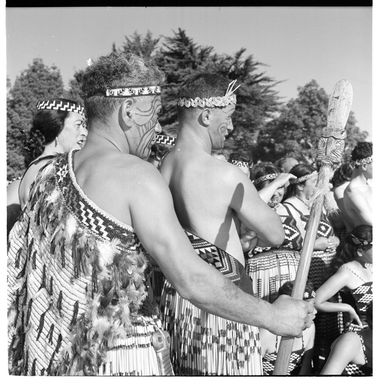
point(276, 237)
point(193, 287)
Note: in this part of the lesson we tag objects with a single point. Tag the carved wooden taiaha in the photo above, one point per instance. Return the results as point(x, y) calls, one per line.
point(329, 156)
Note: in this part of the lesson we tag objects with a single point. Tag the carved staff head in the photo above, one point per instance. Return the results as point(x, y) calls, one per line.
point(331, 144)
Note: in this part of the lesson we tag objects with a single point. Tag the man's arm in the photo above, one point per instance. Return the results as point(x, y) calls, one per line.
point(252, 211)
point(156, 225)
point(359, 206)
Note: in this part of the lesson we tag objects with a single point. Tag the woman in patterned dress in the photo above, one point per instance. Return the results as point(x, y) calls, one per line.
point(354, 274)
point(58, 126)
point(270, 268)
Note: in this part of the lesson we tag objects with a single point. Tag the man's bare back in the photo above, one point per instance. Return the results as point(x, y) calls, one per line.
point(202, 192)
point(357, 203)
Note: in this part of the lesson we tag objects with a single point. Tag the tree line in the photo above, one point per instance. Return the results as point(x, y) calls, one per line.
point(265, 127)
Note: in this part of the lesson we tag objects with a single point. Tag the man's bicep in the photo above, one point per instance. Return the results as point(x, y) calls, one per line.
point(360, 207)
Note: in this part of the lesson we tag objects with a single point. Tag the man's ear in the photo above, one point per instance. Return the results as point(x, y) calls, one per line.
point(127, 106)
point(205, 117)
point(125, 114)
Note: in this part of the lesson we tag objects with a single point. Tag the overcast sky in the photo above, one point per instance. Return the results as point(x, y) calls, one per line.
point(297, 44)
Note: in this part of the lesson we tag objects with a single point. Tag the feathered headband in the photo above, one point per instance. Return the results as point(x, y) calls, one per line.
point(303, 178)
point(60, 105)
point(263, 178)
point(214, 101)
point(362, 162)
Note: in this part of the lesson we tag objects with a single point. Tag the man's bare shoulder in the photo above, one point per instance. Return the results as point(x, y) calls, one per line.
point(136, 171)
point(225, 172)
point(356, 190)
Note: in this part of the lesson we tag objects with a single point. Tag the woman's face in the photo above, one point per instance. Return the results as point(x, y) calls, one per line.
point(277, 197)
point(74, 133)
point(310, 186)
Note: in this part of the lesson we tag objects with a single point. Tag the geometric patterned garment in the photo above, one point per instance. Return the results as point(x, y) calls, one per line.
point(203, 343)
point(363, 298)
point(295, 223)
point(294, 364)
point(366, 339)
point(77, 298)
point(270, 269)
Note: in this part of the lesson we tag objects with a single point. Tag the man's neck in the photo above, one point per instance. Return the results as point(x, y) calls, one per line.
point(359, 177)
point(191, 137)
point(107, 137)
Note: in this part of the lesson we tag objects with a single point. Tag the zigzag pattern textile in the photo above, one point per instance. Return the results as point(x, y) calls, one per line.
point(202, 343)
point(60, 105)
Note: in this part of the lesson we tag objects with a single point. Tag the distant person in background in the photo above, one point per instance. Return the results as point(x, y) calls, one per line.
point(242, 162)
point(58, 126)
point(357, 199)
point(271, 185)
point(340, 182)
point(286, 163)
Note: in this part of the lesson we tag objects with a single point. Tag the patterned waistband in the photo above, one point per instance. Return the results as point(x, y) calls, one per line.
point(225, 263)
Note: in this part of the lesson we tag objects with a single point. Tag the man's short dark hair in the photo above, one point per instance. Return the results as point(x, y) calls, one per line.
point(204, 85)
point(115, 70)
point(362, 150)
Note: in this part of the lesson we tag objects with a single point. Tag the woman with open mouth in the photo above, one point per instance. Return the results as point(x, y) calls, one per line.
point(59, 126)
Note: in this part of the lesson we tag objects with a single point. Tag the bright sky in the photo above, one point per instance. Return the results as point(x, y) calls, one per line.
point(297, 44)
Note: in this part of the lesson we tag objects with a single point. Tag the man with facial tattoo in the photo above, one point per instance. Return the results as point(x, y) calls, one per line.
point(97, 220)
point(212, 199)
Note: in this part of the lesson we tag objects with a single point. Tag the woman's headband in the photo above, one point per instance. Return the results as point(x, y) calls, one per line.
point(60, 105)
point(263, 178)
point(303, 178)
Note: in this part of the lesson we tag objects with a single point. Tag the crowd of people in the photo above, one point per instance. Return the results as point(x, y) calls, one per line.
point(178, 262)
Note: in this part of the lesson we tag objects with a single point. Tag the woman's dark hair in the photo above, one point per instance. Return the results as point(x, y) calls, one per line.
point(287, 287)
point(360, 239)
point(342, 174)
point(46, 126)
point(262, 169)
point(298, 170)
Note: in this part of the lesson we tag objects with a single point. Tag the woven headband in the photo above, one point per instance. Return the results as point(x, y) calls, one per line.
point(133, 91)
point(165, 139)
point(303, 178)
point(214, 101)
point(264, 178)
point(240, 163)
point(60, 105)
point(363, 162)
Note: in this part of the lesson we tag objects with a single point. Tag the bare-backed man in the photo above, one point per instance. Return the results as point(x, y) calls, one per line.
point(357, 200)
point(211, 200)
point(78, 259)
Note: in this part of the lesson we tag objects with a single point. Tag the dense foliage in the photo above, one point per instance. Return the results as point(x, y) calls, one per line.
point(265, 129)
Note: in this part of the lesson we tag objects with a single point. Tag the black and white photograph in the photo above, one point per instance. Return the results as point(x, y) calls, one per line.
point(189, 191)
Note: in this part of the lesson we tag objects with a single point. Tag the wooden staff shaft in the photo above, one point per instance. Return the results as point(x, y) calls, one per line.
point(285, 347)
